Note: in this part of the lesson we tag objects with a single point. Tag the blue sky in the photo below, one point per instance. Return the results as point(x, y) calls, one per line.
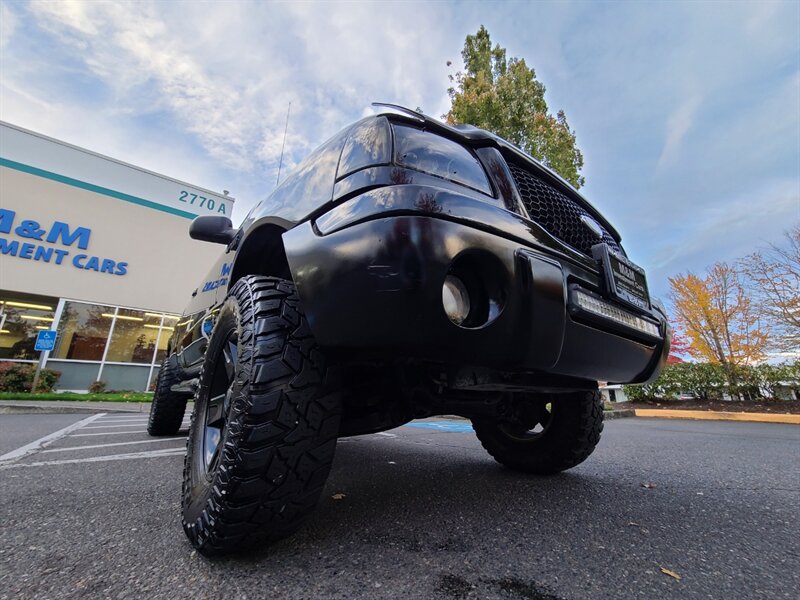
point(688, 114)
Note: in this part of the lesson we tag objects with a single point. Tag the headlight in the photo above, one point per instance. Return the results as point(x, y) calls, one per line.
point(368, 144)
point(436, 155)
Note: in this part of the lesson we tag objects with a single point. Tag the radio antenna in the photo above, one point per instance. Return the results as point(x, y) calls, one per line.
point(285, 129)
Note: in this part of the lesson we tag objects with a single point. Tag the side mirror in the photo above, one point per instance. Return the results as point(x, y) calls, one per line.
point(218, 230)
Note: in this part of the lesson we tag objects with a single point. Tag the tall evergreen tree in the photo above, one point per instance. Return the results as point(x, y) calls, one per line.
point(503, 96)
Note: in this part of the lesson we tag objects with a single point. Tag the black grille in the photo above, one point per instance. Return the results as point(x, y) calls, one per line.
point(556, 212)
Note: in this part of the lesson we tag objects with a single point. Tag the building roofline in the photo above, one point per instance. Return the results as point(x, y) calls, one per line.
point(114, 160)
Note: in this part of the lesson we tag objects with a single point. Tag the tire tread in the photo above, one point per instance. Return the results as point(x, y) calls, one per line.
point(167, 408)
point(282, 430)
point(574, 440)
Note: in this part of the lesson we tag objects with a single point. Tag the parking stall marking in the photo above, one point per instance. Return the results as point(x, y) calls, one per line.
point(91, 459)
point(126, 415)
point(184, 425)
point(136, 420)
point(46, 440)
point(94, 446)
point(104, 433)
point(113, 426)
point(133, 428)
point(105, 424)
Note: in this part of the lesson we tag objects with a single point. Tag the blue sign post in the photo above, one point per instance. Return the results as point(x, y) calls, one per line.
point(45, 342)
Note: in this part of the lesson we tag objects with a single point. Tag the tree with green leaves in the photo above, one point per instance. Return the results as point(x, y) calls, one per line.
point(503, 95)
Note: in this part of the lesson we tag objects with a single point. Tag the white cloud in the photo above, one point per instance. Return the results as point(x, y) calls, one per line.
point(678, 125)
point(73, 13)
point(730, 229)
point(132, 50)
point(226, 72)
point(199, 90)
point(763, 12)
point(8, 23)
point(108, 135)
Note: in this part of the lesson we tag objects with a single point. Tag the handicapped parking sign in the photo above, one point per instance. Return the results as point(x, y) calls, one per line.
point(45, 340)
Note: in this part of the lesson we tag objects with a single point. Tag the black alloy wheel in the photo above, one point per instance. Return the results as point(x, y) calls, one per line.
point(531, 420)
point(216, 410)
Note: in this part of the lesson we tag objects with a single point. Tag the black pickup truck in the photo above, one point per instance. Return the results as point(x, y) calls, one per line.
point(407, 268)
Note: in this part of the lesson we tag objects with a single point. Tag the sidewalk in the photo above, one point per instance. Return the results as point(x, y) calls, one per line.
point(8, 407)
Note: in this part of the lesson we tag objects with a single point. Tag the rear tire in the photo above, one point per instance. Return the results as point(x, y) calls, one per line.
point(542, 441)
point(167, 408)
point(264, 425)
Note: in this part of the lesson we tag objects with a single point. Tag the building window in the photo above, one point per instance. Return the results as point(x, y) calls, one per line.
point(166, 332)
point(140, 336)
point(134, 337)
point(126, 345)
point(22, 316)
point(83, 331)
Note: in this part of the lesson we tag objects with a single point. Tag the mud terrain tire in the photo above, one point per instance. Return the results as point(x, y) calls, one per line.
point(167, 408)
point(569, 436)
point(265, 398)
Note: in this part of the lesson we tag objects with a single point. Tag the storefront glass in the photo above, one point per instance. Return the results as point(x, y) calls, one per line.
point(166, 332)
point(134, 337)
point(121, 346)
point(21, 318)
point(83, 331)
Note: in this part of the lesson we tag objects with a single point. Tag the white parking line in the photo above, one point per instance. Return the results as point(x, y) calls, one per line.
point(46, 440)
point(136, 420)
point(135, 431)
point(138, 431)
point(112, 426)
point(164, 439)
point(129, 415)
point(184, 425)
point(128, 456)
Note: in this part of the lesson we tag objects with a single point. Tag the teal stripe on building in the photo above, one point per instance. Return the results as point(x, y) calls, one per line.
point(4, 162)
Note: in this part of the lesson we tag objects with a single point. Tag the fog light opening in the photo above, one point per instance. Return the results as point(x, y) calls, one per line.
point(455, 299)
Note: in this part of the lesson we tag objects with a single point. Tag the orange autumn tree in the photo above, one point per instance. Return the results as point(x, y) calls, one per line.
point(719, 318)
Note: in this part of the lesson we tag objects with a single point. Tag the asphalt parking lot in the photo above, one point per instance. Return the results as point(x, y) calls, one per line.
point(418, 512)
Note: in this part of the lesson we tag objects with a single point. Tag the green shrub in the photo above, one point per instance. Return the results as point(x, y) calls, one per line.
point(705, 381)
point(18, 378)
point(98, 387)
point(708, 381)
point(15, 377)
point(47, 381)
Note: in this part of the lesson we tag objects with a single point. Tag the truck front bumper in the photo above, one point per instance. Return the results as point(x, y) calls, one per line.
point(370, 276)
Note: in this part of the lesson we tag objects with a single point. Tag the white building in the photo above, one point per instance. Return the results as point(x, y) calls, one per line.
point(99, 251)
point(614, 392)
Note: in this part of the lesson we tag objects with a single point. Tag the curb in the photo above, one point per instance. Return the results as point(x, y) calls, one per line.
point(46, 410)
point(619, 413)
point(27, 408)
point(709, 415)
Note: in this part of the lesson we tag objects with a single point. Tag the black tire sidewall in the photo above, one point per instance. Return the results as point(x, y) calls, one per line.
point(199, 483)
point(167, 408)
point(577, 422)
